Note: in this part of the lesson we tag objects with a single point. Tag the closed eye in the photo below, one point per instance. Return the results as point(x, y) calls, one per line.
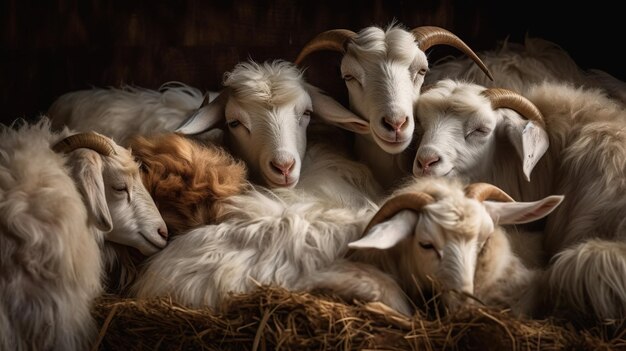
point(427, 246)
point(479, 132)
point(120, 188)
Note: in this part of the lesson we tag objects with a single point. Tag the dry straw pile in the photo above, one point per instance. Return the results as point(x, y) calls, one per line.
point(273, 318)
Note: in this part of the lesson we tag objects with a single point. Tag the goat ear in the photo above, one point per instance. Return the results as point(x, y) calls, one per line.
point(387, 234)
point(522, 212)
point(87, 171)
point(529, 139)
point(206, 116)
point(331, 111)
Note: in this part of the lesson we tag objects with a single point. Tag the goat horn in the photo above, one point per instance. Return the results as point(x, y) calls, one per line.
point(89, 140)
point(409, 201)
point(334, 39)
point(507, 98)
point(427, 36)
point(486, 191)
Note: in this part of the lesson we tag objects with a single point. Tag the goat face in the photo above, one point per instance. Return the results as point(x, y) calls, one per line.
point(438, 230)
point(117, 201)
point(458, 129)
point(271, 140)
point(383, 72)
point(266, 108)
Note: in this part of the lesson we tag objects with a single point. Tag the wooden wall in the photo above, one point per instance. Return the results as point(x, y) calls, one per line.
point(49, 48)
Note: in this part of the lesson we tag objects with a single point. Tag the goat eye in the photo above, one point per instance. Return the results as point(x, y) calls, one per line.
point(348, 77)
point(305, 118)
point(234, 123)
point(427, 246)
point(120, 188)
point(479, 132)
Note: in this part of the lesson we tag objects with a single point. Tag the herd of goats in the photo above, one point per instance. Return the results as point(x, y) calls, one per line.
point(494, 178)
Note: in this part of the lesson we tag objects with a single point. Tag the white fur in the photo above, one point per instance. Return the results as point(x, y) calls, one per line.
point(585, 161)
point(288, 238)
point(56, 212)
point(455, 246)
point(384, 70)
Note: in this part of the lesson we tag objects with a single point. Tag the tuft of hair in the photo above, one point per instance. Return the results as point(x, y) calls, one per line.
point(394, 42)
point(187, 179)
point(266, 84)
point(587, 280)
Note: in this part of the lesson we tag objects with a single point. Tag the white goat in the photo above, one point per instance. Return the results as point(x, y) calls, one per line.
point(265, 109)
point(436, 233)
point(516, 66)
point(468, 130)
point(383, 70)
point(56, 211)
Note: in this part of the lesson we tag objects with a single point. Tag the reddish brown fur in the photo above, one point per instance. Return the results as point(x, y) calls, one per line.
point(187, 180)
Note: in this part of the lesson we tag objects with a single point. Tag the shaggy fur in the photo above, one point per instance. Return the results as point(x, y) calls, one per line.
point(516, 66)
point(586, 161)
point(56, 211)
point(188, 180)
point(455, 246)
point(121, 113)
point(283, 238)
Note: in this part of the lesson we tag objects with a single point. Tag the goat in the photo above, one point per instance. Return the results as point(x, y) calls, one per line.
point(264, 110)
point(470, 131)
point(383, 70)
point(516, 66)
point(121, 113)
point(65, 198)
point(435, 232)
point(188, 180)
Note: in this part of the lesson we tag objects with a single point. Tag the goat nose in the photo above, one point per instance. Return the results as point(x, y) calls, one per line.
point(428, 161)
point(284, 167)
point(163, 232)
point(396, 124)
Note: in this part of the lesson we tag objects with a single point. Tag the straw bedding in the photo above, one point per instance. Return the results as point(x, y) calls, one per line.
point(273, 318)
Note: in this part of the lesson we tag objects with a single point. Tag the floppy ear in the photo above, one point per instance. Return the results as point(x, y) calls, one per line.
point(388, 233)
point(529, 139)
point(206, 116)
point(87, 171)
point(332, 112)
point(522, 212)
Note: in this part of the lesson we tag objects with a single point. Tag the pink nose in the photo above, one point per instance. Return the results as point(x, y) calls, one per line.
point(283, 167)
point(163, 232)
point(428, 161)
point(396, 125)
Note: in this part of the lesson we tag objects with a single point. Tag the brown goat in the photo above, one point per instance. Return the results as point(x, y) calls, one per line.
point(187, 179)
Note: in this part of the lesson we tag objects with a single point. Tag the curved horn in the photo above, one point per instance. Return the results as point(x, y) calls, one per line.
point(89, 140)
point(486, 191)
point(507, 98)
point(409, 201)
point(334, 39)
point(427, 36)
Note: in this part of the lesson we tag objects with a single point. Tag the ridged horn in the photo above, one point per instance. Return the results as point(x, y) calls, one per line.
point(428, 36)
point(334, 40)
point(507, 98)
point(89, 140)
point(486, 191)
point(409, 201)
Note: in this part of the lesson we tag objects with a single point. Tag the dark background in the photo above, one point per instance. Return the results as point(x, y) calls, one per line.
point(49, 48)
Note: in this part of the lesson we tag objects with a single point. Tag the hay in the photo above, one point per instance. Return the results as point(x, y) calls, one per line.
point(273, 318)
